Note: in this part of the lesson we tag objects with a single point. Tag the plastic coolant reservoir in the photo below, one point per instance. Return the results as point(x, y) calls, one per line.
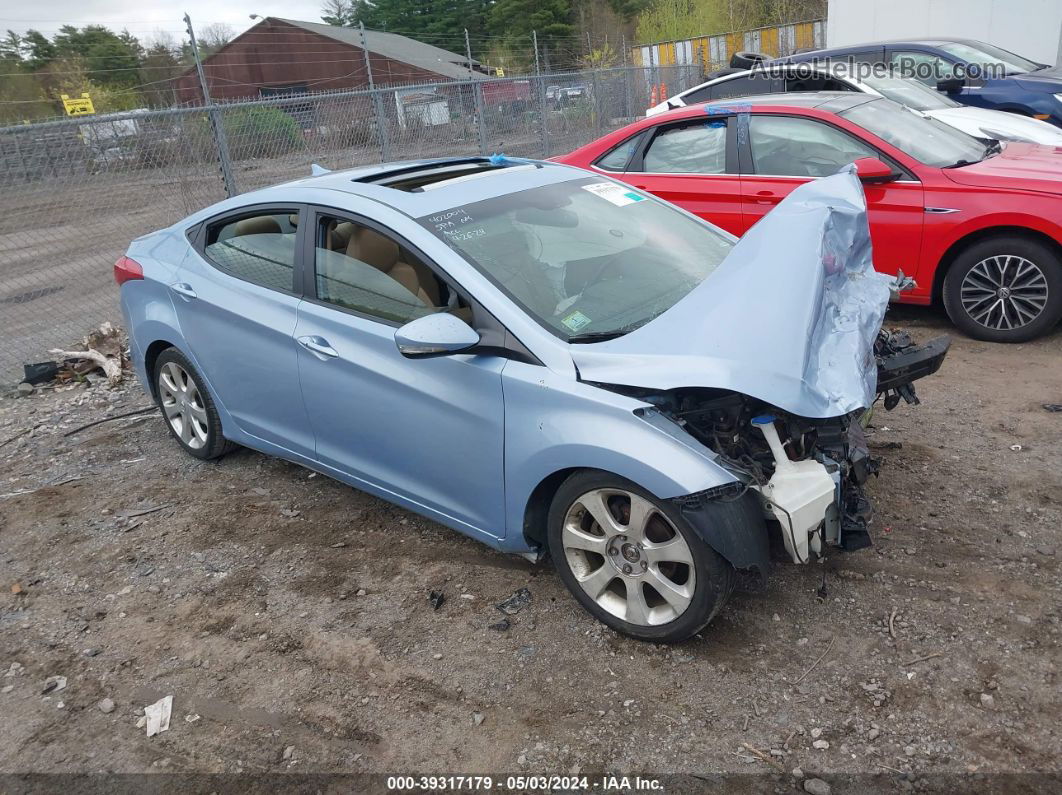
point(799, 493)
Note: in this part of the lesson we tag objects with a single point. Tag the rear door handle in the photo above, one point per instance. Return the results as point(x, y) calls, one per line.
point(184, 290)
point(319, 347)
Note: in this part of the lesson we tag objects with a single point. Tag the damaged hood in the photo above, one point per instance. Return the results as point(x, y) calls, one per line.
point(789, 317)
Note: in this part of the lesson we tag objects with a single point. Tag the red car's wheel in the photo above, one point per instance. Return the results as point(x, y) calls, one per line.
point(1005, 289)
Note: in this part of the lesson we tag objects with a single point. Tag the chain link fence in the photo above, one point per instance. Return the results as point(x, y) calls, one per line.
point(74, 192)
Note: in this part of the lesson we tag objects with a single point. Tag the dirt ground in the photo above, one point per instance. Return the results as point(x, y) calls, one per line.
point(288, 616)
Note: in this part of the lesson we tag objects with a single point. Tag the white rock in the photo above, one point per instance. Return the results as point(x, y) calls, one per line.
point(816, 786)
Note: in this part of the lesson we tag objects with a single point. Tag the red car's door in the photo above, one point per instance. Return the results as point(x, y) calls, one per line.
point(692, 163)
point(786, 151)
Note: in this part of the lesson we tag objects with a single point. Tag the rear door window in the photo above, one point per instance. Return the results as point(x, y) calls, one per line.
point(698, 148)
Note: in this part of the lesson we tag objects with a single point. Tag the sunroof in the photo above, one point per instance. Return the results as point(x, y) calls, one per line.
point(417, 178)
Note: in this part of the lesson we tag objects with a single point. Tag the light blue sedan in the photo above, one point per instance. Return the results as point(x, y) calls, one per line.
point(543, 359)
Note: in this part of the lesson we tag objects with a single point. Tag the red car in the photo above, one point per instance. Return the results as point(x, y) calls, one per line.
point(976, 223)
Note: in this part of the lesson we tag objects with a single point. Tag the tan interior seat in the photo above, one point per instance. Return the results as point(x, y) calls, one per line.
point(259, 225)
point(339, 233)
point(383, 254)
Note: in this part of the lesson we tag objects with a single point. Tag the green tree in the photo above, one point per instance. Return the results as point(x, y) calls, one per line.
point(11, 48)
point(551, 19)
point(438, 22)
point(38, 52)
point(111, 59)
point(158, 68)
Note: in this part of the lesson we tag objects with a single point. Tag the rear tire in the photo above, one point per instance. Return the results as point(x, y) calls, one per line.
point(1005, 289)
point(632, 561)
point(187, 406)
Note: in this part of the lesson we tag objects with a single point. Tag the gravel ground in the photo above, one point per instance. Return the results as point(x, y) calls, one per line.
point(288, 616)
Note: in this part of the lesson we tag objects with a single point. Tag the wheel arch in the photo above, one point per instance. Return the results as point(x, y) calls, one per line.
point(539, 501)
point(955, 249)
point(151, 355)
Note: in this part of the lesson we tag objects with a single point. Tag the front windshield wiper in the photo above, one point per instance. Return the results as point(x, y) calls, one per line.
point(598, 336)
point(993, 147)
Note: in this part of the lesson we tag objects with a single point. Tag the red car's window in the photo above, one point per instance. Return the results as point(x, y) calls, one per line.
point(698, 148)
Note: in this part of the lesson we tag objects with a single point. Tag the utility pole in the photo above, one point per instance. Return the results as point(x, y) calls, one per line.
point(377, 101)
point(477, 96)
point(216, 127)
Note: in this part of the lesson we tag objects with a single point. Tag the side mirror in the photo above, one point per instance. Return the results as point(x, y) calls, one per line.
point(435, 335)
point(872, 170)
point(951, 85)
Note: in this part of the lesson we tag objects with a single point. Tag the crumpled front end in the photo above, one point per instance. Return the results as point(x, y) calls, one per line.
point(790, 316)
point(773, 361)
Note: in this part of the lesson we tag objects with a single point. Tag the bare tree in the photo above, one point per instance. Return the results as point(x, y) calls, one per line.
point(214, 36)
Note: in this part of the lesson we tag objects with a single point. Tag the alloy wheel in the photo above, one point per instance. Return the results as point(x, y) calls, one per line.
point(628, 557)
point(1004, 292)
point(183, 405)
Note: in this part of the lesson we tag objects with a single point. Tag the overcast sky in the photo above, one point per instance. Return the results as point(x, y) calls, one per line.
point(145, 19)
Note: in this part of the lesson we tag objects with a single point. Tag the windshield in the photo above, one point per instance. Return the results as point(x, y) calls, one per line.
point(926, 140)
point(909, 92)
point(986, 54)
point(587, 258)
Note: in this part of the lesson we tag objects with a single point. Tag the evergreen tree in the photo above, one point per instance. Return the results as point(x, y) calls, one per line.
point(551, 19)
point(39, 52)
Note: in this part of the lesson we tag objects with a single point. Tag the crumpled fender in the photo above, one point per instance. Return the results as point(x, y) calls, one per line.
point(789, 317)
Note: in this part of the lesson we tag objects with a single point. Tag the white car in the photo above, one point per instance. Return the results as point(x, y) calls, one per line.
point(978, 122)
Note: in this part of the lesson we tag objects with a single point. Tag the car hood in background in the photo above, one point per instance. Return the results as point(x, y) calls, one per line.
point(1052, 75)
point(985, 123)
point(1018, 167)
point(789, 317)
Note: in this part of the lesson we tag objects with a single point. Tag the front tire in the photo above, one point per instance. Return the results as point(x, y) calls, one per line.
point(1005, 289)
point(632, 561)
point(187, 406)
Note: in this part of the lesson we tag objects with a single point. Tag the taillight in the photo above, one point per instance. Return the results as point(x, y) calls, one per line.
point(126, 269)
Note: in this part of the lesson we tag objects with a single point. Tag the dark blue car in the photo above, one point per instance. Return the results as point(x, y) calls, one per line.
point(969, 71)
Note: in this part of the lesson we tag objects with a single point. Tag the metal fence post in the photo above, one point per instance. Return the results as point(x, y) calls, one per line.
point(540, 92)
point(377, 101)
point(626, 82)
point(652, 77)
point(596, 102)
point(216, 125)
point(477, 96)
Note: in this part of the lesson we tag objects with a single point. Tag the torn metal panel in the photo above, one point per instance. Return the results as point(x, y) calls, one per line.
point(789, 317)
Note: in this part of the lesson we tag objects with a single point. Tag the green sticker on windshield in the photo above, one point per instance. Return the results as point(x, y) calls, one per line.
point(576, 320)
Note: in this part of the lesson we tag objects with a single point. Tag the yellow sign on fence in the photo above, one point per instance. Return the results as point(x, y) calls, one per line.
point(81, 106)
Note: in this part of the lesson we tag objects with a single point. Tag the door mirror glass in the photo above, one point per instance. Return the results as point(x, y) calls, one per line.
point(435, 335)
point(870, 169)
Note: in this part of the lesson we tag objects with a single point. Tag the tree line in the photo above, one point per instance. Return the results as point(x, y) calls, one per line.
point(121, 72)
point(117, 70)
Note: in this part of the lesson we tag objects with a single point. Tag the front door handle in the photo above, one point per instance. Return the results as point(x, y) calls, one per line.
point(184, 290)
point(319, 347)
point(765, 197)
